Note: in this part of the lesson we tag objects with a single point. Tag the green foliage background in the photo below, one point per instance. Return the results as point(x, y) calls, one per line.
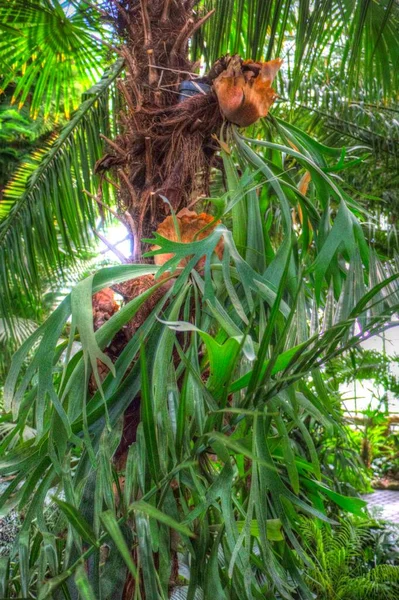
point(230, 363)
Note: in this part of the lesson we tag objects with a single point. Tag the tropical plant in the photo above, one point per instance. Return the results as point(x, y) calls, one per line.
point(338, 450)
point(326, 68)
point(18, 136)
point(340, 562)
point(53, 49)
point(371, 431)
point(212, 370)
point(64, 224)
point(212, 459)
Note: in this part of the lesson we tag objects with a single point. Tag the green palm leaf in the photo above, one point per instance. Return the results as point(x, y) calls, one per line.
point(49, 49)
point(45, 216)
point(357, 35)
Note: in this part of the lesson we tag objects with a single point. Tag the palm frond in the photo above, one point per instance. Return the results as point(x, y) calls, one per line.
point(357, 36)
point(23, 328)
point(19, 136)
point(45, 216)
point(49, 50)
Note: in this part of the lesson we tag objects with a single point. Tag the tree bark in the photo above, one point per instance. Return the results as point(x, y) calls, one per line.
point(165, 148)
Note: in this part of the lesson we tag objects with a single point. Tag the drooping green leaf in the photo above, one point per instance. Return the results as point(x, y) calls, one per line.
point(77, 521)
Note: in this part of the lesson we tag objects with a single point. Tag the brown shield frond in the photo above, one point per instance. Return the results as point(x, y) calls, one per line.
point(192, 227)
point(244, 89)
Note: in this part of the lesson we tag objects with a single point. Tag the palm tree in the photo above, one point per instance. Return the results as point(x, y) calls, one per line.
point(216, 356)
point(318, 90)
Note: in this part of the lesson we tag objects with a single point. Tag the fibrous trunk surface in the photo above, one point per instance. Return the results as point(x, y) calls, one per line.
point(165, 148)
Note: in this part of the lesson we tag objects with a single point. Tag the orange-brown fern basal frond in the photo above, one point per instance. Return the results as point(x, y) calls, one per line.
point(192, 227)
point(104, 306)
point(244, 90)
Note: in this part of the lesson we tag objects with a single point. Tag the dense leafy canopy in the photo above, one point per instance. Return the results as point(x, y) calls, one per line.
point(324, 46)
point(229, 364)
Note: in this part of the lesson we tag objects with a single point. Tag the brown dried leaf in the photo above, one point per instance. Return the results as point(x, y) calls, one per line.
point(244, 90)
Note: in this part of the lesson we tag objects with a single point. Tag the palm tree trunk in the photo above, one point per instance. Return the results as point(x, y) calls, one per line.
point(165, 148)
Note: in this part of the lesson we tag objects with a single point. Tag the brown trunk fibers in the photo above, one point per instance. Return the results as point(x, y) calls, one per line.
point(165, 147)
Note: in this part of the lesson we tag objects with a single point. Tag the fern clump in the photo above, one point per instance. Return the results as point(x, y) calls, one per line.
point(340, 562)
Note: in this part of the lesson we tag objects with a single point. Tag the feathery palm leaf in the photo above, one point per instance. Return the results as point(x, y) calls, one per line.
point(19, 135)
point(45, 216)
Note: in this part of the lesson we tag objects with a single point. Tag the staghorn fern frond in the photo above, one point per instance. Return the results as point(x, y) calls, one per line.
point(77, 425)
point(338, 78)
point(45, 216)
